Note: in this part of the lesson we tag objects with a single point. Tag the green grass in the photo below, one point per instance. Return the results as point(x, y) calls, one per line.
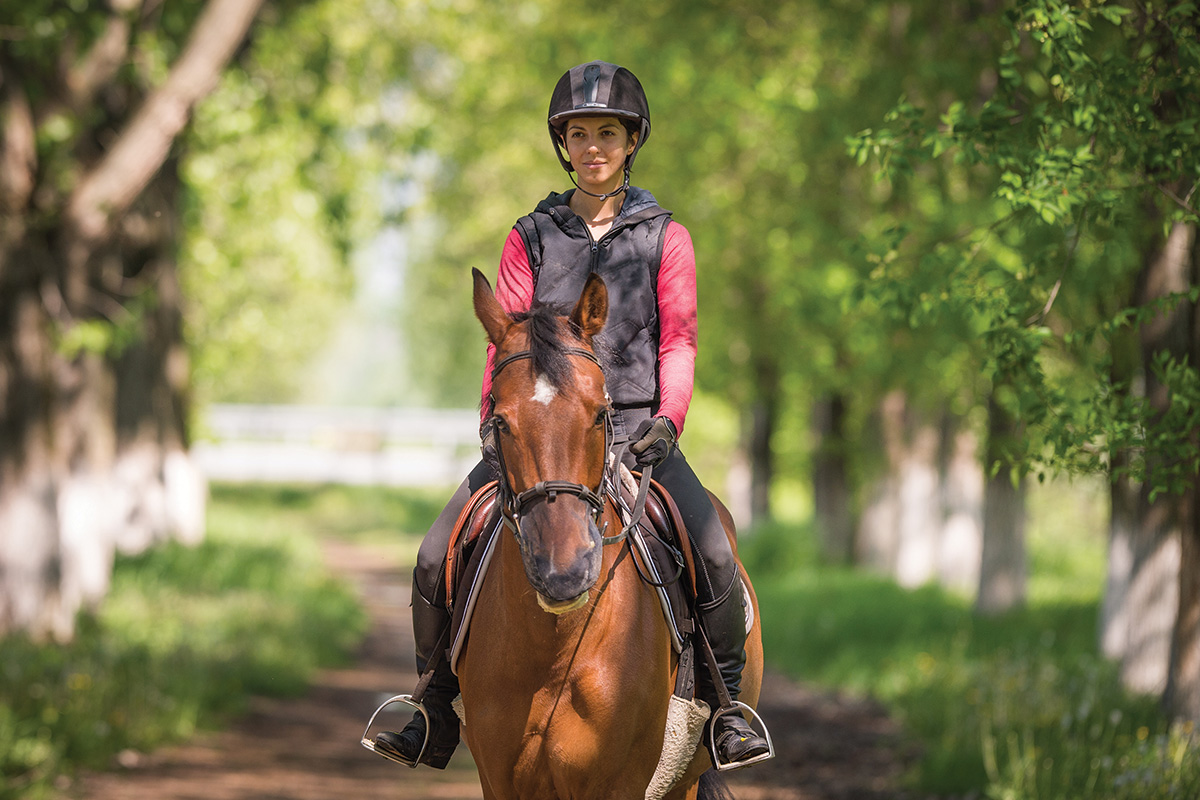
point(188, 634)
point(1016, 706)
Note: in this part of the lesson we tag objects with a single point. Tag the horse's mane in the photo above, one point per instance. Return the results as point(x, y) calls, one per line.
point(551, 334)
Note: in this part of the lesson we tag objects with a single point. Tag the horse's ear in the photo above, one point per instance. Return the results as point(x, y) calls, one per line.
point(591, 311)
point(487, 308)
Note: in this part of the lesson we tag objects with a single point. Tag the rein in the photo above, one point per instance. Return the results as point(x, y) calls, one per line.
point(514, 504)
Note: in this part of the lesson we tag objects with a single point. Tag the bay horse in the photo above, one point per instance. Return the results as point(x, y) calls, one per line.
point(568, 668)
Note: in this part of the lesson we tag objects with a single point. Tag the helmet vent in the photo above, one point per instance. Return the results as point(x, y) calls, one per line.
point(591, 87)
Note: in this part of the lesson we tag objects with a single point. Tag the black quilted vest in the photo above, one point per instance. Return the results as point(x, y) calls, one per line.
point(562, 254)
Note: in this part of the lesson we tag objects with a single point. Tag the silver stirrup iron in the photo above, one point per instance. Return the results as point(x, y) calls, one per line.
point(369, 742)
point(722, 766)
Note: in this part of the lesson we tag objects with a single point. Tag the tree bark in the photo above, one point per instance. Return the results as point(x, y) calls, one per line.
point(920, 521)
point(901, 525)
point(1122, 528)
point(762, 466)
point(1003, 567)
point(1152, 599)
point(961, 541)
point(1143, 620)
point(762, 420)
point(831, 481)
point(877, 539)
point(1182, 695)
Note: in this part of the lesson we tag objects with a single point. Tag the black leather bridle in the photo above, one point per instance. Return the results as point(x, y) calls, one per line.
point(513, 504)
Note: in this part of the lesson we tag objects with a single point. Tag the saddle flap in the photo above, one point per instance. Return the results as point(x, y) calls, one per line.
point(664, 556)
point(481, 513)
point(662, 521)
point(668, 522)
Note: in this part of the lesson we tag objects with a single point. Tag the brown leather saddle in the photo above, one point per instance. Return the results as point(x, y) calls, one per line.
point(660, 545)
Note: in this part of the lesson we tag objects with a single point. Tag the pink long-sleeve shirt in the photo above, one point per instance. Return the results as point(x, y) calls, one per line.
point(676, 317)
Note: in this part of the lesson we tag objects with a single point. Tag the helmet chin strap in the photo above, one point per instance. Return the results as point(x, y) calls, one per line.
point(623, 187)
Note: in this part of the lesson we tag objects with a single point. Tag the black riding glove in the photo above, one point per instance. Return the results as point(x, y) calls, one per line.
point(487, 444)
point(655, 440)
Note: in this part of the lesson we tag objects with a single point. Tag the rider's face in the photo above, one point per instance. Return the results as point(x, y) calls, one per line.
point(597, 148)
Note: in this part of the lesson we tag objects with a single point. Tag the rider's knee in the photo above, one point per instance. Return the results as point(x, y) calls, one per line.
point(431, 559)
point(722, 566)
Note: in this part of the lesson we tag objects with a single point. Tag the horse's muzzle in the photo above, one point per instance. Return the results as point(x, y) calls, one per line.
point(562, 552)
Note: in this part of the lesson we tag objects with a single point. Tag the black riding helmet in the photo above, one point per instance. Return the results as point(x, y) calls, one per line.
point(599, 89)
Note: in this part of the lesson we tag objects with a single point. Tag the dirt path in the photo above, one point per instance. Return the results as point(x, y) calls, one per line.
point(307, 749)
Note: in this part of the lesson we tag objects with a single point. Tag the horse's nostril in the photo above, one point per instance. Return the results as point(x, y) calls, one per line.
point(560, 582)
point(566, 585)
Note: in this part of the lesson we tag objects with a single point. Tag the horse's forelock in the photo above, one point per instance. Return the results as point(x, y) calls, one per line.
point(548, 343)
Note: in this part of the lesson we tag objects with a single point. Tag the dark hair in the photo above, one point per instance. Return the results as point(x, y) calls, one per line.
point(550, 330)
point(547, 349)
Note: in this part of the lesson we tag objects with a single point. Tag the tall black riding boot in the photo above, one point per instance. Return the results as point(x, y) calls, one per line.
point(724, 623)
point(430, 620)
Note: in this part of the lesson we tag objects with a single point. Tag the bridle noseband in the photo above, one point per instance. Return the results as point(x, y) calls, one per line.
point(513, 505)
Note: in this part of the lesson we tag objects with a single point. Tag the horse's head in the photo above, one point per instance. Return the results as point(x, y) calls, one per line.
point(551, 416)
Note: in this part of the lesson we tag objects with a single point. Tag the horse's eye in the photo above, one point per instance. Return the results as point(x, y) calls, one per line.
point(601, 417)
point(501, 425)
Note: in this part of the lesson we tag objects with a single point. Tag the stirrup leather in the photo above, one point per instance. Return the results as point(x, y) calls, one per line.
point(368, 741)
point(737, 707)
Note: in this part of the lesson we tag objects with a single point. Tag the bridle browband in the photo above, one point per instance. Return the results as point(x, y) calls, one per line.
point(513, 505)
point(571, 351)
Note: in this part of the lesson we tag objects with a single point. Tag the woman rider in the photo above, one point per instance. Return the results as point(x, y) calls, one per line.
point(599, 114)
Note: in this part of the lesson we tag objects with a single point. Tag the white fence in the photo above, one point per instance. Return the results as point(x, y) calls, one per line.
point(362, 446)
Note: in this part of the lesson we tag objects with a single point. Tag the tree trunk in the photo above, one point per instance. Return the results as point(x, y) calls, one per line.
point(163, 491)
point(920, 522)
point(902, 522)
point(961, 540)
point(1122, 528)
point(30, 551)
point(1182, 695)
point(831, 482)
point(1152, 599)
point(1114, 620)
point(1144, 620)
point(66, 495)
point(877, 541)
point(1003, 568)
point(762, 462)
point(763, 414)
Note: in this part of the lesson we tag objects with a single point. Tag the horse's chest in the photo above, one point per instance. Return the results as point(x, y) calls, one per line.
point(567, 739)
point(573, 761)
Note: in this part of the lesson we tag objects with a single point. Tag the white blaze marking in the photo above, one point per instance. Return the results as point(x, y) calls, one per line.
point(544, 391)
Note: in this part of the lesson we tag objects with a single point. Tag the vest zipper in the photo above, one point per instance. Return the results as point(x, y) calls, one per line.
point(595, 243)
